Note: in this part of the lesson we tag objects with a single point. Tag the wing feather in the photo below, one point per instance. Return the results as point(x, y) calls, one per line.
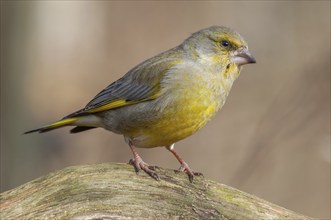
point(140, 84)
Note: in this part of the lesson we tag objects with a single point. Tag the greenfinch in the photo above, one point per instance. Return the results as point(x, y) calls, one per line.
point(167, 97)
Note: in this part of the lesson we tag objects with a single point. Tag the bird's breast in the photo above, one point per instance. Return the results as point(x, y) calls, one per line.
point(188, 103)
point(195, 102)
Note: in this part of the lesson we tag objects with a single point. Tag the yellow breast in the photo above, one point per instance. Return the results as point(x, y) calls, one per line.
point(189, 102)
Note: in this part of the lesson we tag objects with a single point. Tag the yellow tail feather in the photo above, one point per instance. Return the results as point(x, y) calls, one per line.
point(55, 125)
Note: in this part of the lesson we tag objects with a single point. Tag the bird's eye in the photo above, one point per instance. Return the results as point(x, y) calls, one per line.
point(225, 43)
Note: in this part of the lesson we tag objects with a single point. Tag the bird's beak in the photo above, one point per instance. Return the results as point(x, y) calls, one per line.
point(242, 56)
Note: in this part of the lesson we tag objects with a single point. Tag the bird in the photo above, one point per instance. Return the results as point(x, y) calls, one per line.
point(168, 97)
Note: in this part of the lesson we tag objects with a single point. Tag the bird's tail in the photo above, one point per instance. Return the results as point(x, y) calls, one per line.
point(55, 125)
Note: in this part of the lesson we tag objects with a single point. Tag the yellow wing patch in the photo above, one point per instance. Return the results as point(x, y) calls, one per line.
point(118, 103)
point(112, 105)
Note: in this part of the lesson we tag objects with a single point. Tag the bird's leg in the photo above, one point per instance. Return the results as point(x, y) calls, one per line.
point(183, 165)
point(139, 164)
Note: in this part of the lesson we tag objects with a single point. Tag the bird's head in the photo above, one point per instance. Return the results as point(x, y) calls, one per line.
point(219, 45)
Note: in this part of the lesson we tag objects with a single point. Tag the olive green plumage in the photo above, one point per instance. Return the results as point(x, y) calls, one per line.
point(170, 96)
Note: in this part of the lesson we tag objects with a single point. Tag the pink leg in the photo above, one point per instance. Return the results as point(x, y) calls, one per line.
point(139, 164)
point(183, 165)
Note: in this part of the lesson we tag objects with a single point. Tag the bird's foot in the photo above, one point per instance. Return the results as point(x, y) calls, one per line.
point(139, 164)
point(185, 168)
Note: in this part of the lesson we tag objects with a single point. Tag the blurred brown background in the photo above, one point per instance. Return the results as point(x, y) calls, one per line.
point(271, 139)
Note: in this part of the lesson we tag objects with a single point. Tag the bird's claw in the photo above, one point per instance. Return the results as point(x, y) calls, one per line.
point(141, 165)
point(185, 168)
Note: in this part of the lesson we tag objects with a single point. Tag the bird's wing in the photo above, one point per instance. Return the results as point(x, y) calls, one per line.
point(140, 84)
point(121, 93)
